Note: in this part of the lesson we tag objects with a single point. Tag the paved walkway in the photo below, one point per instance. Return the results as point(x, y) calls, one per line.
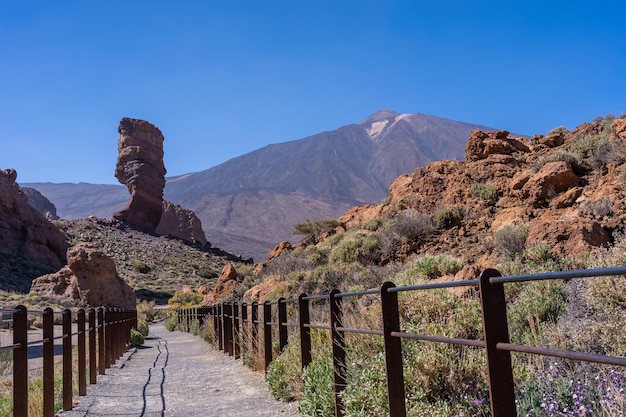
point(178, 374)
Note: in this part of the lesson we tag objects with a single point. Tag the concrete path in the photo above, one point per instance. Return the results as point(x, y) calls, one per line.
point(178, 374)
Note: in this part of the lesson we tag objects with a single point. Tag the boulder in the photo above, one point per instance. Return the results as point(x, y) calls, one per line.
point(225, 288)
point(482, 144)
point(24, 232)
point(140, 167)
point(567, 235)
point(553, 178)
point(182, 223)
point(89, 278)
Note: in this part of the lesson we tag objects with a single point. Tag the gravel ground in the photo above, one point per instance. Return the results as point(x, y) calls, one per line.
point(178, 374)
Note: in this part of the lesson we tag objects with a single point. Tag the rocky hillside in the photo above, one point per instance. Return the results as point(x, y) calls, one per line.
point(249, 203)
point(565, 190)
point(552, 200)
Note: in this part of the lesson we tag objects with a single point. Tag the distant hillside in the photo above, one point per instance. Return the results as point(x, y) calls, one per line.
point(250, 203)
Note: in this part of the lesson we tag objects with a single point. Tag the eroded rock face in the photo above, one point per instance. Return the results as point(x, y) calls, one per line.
point(90, 277)
point(24, 231)
point(226, 286)
point(482, 144)
point(140, 167)
point(41, 203)
point(182, 223)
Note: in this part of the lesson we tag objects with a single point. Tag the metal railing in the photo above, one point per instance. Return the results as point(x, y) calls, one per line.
point(106, 332)
point(228, 319)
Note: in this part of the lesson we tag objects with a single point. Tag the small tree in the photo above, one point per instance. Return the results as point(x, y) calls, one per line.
point(314, 230)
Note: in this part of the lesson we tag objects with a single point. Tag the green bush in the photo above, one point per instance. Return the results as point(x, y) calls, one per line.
point(447, 218)
point(510, 241)
point(484, 191)
point(136, 338)
point(142, 327)
point(194, 328)
point(283, 377)
point(141, 267)
point(317, 398)
point(171, 323)
point(432, 267)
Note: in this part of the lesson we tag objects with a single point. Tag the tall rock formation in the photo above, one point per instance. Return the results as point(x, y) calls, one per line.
point(140, 167)
point(24, 232)
point(90, 278)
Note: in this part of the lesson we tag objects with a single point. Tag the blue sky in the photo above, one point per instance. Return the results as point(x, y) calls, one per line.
point(223, 78)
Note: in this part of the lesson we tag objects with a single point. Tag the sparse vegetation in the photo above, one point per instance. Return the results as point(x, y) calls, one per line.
point(314, 230)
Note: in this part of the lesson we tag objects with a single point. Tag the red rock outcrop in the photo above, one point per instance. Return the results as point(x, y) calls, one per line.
point(225, 288)
point(90, 278)
point(182, 223)
point(510, 181)
point(140, 167)
point(25, 232)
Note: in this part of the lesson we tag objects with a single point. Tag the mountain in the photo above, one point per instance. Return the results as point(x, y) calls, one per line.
point(250, 203)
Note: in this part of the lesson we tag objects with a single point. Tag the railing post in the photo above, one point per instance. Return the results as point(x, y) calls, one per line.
point(393, 351)
point(254, 318)
point(228, 328)
point(67, 359)
point(220, 327)
point(82, 357)
point(92, 345)
point(282, 324)
point(495, 327)
point(339, 351)
point(20, 362)
point(245, 328)
point(305, 331)
point(101, 343)
point(267, 334)
point(108, 337)
point(236, 343)
point(48, 362)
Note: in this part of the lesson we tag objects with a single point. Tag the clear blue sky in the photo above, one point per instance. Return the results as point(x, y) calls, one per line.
point(223, 78)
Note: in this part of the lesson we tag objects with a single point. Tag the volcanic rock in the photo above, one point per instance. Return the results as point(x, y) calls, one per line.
point(24, 231)
point(482, 144)
point(225, 288)
point(90, 278)
point(140, 167)
point(182, 223)
point(41, 203)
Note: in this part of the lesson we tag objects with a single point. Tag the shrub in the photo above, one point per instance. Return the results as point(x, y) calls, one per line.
point(146, 311)
point(136, 338)
point(194, 328)
point(141, 267)
point(484, 191)
point(317, 398)
point(171, 323)
point(284, 380)
point(142, 327)
point(360, 248)
point(431, 267)
point(573, 160)
point(447, 218)
point(510, 241)
point(314, 230)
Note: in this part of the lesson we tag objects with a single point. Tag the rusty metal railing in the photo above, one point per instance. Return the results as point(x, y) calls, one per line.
point(227, 320)
point(106, 331)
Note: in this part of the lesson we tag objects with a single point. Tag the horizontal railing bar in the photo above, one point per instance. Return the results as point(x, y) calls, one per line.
point(9, 310)
point(360, 331)
point(449, 340)
point(357, 293)
point(14, 346)
point(565, 354)
point(317, 326)
point(583, 273)
point(287, 324)
point(315, 297)
point(435, 285)
point(290, 300)
point(37, 342)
